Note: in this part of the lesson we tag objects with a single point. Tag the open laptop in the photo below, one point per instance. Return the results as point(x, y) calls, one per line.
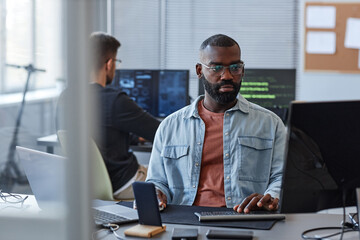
point(46, 175)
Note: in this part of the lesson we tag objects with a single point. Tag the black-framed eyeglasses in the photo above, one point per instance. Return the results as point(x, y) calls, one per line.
point(12, 198)
point(115, 59)
point(218, 70)
point(117, 62)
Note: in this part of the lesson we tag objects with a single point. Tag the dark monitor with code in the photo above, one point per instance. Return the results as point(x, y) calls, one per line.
point(322, 156)
point(159, 92)
point(270, 88)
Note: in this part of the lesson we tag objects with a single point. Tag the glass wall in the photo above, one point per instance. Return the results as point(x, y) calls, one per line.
point(51, 35)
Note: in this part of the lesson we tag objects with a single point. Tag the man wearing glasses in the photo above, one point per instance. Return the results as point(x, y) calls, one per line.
point(119, 116)
point(220, 151)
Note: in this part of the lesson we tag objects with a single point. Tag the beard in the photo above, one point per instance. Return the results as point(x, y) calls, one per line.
point(221, 97)
point(108, 80)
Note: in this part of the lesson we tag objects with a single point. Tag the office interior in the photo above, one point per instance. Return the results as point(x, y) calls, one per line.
point(159, 34)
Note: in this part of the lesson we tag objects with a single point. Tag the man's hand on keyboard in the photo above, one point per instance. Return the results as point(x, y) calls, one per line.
point(257, 201)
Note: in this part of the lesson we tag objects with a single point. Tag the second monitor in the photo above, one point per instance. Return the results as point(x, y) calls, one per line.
point(159, 92)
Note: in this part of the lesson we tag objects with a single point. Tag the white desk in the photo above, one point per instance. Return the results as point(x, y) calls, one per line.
point(29, 206)
point(51, 141)
point(290, 229)
point(29, 222)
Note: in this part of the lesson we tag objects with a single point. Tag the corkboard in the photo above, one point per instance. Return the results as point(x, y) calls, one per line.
point(345, 60)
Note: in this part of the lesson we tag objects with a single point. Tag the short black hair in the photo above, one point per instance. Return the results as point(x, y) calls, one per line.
point(103, 47)
point(219, 40)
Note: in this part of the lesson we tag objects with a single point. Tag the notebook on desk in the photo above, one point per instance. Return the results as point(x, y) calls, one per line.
point(45, 173)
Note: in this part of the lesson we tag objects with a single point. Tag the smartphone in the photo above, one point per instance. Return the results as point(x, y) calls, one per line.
point(147, 204)
point(229, 234)
point(184, 233)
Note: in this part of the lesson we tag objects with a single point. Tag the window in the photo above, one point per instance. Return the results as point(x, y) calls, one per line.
point(167, 34)
point(31, 34)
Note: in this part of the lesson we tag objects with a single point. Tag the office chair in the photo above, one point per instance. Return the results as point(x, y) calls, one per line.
point(102, 187)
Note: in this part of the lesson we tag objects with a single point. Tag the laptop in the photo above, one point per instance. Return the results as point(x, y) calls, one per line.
point(46, 175)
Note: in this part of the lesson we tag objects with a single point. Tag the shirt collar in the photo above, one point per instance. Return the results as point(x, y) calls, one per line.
point(241, 105)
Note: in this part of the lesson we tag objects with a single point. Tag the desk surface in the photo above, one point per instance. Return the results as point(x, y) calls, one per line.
point(29, 206)
point(291, 228)
point(51, 141)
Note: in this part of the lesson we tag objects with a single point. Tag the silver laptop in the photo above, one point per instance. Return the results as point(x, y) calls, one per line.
point(46, 175)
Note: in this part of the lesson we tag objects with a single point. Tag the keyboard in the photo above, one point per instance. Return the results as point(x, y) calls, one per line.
point(102, 217)
point(232, 215)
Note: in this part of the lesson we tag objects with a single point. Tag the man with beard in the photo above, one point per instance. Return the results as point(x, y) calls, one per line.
point(119, 116)
point(220, 151)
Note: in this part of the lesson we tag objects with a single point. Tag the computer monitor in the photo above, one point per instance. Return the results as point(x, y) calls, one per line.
point(322, 156)
point(270, 88)
point(159, 92)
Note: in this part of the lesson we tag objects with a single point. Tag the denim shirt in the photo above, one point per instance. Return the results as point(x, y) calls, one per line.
point(253, 154)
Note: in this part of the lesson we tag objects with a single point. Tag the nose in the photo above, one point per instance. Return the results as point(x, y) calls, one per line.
point(226, 74)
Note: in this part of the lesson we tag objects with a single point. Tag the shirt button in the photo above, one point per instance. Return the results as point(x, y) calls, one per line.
point(226, 155)
point(194, 186)
point(226, 133)
point(227, 114)
point(227, 177)
point(197, 164)
point(229, 198)
point(199, 143)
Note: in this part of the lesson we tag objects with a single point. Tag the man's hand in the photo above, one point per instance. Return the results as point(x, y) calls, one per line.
point(257, 201)
point(161, 198)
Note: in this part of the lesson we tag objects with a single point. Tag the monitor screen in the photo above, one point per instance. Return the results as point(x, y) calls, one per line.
point(159, 92)
point(322, 156)
point(270, 88)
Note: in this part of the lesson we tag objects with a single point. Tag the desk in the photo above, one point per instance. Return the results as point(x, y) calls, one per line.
point(29, 206)
point(290, 229)
point(51, 141)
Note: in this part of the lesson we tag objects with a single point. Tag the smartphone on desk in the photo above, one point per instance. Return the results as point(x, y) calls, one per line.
point(229, 234)
point(184, 233)
point(147, 203)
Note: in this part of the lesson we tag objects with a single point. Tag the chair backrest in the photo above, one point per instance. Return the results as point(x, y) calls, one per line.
point(101, 183)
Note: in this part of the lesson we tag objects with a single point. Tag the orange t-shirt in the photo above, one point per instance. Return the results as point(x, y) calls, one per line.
point(210, 191)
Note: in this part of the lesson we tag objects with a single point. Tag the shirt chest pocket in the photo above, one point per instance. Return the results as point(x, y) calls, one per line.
point(175, 152)
point(176, 162)
point(255, 155)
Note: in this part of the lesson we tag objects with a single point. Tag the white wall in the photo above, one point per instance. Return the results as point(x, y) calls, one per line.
point(318, 86)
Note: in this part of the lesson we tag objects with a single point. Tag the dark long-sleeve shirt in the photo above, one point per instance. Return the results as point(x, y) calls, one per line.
point(118, 117)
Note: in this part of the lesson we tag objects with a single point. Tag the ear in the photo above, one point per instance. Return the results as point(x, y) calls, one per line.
point(199, 70)
point(108, 64)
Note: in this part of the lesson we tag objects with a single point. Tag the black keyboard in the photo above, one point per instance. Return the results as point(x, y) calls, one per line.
point(102, 217)
point(232, 215)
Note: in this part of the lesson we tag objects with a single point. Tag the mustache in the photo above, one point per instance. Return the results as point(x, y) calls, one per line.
point(225, 82)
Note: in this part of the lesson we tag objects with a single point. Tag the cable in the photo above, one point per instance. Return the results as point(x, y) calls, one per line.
point(305, 236)
point(346, 227)
point(112, 227)
point(343, 221)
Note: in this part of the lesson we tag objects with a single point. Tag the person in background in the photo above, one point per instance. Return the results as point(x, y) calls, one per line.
point(120, 117)
point(220, 151)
